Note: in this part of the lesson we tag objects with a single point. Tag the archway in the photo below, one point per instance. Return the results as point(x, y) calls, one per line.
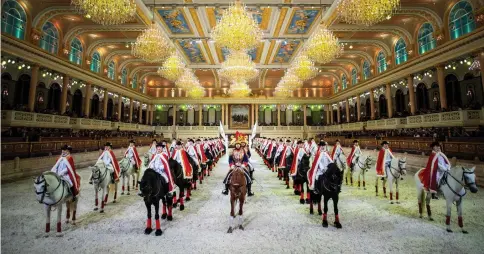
point(110, 108)
point(77, 103)
point(399, 101)
point(22, 89)
point(422, 97)
point(368, 108)
point(382, 103)
point(95, 105)
point(54, 97)
point(452, 89)
point(122, 117)
point(353, 113)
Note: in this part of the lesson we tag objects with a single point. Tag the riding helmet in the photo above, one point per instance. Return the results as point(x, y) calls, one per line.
point(132, 141)
point(355, 141)
point(385, 143)
point(108, 144)
point(434, 144)
point(322, 143)
point(66, 147)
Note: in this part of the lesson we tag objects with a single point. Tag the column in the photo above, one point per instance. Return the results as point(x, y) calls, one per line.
point(442, 91)
point(131, 104)
point(222, 117)
point(338, 113)
point(331, 115)
point(358, 107)
point(304, 115)
point(140, 116)
point(256, 112)
point(411, 94)
point(152, 114)
point(328, 120)
point(120, 101)
point(347, 111)
point(33, 87)
point(278, 114)
point(227, 114)
point(87, 100)
point(372, 104)
point(174, 116)
point(63, 100)
point(481, 61)
point(200, 115)
point(388, 94)
point(105, 104)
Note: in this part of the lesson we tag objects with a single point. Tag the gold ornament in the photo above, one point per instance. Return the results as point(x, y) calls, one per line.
point(151, 45)
point(107, 12)
point(282, 92)
point(290, 81)
point(322, 46)
point(239, 90)
point(303, 68)
point(236, 29)
point(196, 92)
point(187, 80)
point(367, 12)
point(173, 67)
point(238, 67)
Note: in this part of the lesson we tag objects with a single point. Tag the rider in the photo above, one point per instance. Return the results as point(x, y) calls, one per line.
point(181, 157)
point(133, 156)
point(337, 150)
point(436, 166)
point(246, 149)
point(110, 162)
point(192, 153)
point(65, 169)
point(238, 158)
point(159, 163)
point(173, 145)
point(355, 153)
point(319, 165)
point(313, 147)
point(153, 147)
point(384, 160)
point(299, 152)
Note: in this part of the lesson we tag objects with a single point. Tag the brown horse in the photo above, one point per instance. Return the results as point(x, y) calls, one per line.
point(238, 190)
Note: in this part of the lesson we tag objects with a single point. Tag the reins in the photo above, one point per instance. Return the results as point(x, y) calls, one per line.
point(44, 191)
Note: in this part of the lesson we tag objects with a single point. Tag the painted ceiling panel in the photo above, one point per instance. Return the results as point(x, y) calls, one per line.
point(286, 51)
point(192, 50)
point(301, 21)
point(175, 20)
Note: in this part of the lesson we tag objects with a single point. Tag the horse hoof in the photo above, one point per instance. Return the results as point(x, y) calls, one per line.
point(122, 193)
point(391, 202)
point(338, 225)
point(148, 231)
point(182, 207)
point(175, 205)
point(67, 222)
point(431, 219)
point(114, 201)
point(364, 188)
point(398, 202)
point(420, 216)
point(163, 216)
point(241, 227)
point(301, 201)
point(465, 232)
point(128, 194)
point(169, 218)
point(59, 234)
point(230, 230)
point(102, 211)
point(325, 223)
point(450, 231)
point(73, 223)
point(307, 201)
point(311, 211)
point(95, 208)
point(385, 196)
point(320, 212)
point(187, 199)
point(158, 232)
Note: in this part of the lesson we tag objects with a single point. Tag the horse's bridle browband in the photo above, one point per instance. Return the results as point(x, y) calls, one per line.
point(399, 169)
point(99, 179)
point(366, 165)
point(44, 191)
point(465, 184)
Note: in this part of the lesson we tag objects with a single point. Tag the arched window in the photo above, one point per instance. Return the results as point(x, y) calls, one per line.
point(50, 38)
point(335, 86)
point(75, 56)
point(401, 54)
point(366, 70)
point(96, 62)
point(124, 76)
point(461, 20)
point(343, 82)
point(426, 40)
point(111, 70)
point(382, 62)
point(134, 82)
point(354, 77)
point(13, 19)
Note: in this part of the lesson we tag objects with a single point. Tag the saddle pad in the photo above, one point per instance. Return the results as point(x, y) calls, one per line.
point(421, 175)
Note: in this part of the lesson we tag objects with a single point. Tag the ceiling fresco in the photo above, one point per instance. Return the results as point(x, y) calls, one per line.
point(286, 51)
point(192, 51)
point(301, 21)
point(175, 20)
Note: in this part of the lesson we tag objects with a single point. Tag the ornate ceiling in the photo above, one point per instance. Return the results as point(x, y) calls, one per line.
point(286, 25)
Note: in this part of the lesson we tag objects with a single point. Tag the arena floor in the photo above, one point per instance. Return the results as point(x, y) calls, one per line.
point(274, 222)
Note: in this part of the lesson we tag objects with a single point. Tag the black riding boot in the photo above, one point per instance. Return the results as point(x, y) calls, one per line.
point(434, 196)
point(226, 190)
point(112, 177)
point(74, 198)
point(249, 190)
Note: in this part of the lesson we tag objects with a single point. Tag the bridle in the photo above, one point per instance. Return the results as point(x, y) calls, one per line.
point(44, 190)
point(332, 186)
point(463, 182)
point(365, 165)
point(399, 170)
point(99, 178)
point(341, 161)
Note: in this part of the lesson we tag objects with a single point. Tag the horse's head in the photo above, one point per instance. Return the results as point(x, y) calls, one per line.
point(40, 186)
point(96, 170)
point(469, 178)
point(147, 184)
point(402, 165)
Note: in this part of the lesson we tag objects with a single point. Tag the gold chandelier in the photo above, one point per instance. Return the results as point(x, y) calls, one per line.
point(236, 30)
point(196, 92)
point(282, 92)
point(303, 68)
point(107, 12)
point(290, 81)
point(367, 12)
point(172, 68)
point(187, 80)
point(239, 90)
point(322, 46)
point(238, 67)
point(151, 45)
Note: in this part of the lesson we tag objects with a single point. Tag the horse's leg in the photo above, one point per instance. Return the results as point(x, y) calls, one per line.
point(359, 181)
point(348, 170)
point(59, 218)
point(301, 195)
point(148, 228)
point(115, 191)
point(390, 186)
point(163, 201)
point(311, 208)
point(181, 199)
point(351, 178)
point(169, 203)
point(364, 179)
point(175, 201)
point(47, 218)
point(427, 201)
point(241, 211)
point(137, 179)
point(325, 214)
point(122, 187)
point(384, 183)
point(420, 197)
point(158, 231)
point(96, 201)
point(68, 212)
point(74, 210)
point(459, 214)
point(232, 213)
point(104, 199)
point(376, 186)
point(448, 202)
point(335, 198)
point(396, 192)
point(320, 212)
point(189, 193)
point(308, 195)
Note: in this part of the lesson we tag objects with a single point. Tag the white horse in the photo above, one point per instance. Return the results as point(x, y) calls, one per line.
point(398, 168)
point(53, 192)
point(101, 178)
point(453, 185)
point(341, 162)
point(362, 164)
point(127, 170)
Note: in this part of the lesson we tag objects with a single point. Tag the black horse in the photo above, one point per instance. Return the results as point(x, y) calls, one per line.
point(182, 183)
point(153, 188)
point(301, 178)
point(329, 186)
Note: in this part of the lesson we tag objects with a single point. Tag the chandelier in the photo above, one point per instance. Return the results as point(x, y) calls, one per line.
point(236, 29)
point(151, 45)
point(187, 80)
point(196, 92)
point(238, 67)
point(303, 68)
point(322, 46)
point(239, 90)
point(107, 12)
point(282, 92)
point(173, 67)
point(367, 12)
point(290, 81)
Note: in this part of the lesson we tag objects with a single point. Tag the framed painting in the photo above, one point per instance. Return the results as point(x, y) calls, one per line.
point(239, 117)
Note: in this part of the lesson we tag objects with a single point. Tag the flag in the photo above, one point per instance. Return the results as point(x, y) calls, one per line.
point(252, 136)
